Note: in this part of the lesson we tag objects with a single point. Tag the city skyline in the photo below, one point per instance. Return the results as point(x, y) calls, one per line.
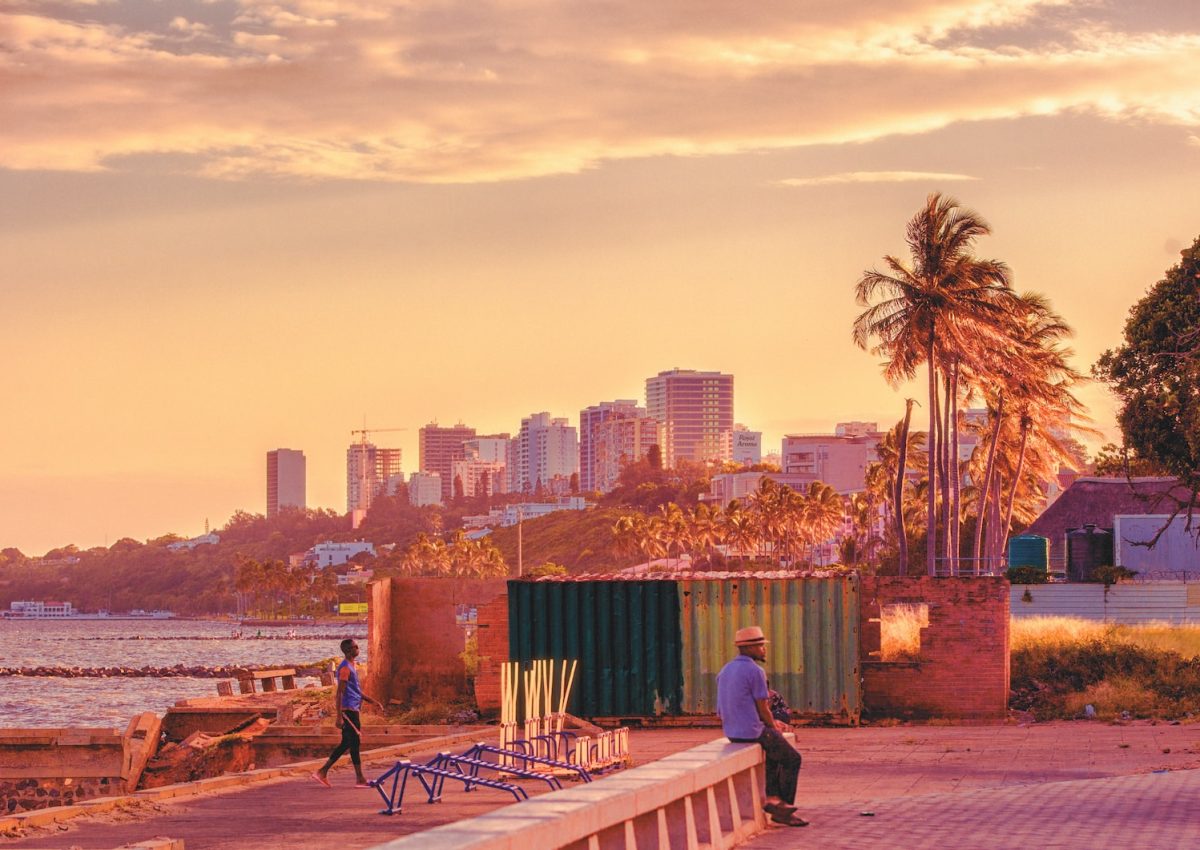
point(240, 225)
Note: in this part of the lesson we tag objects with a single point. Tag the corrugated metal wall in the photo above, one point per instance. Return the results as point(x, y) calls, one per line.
point(625, 634)
point(1174, 602)
point(812, 624)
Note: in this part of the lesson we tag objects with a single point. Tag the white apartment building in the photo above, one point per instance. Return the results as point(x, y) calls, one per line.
point(590, 420)
point(547, 453)
point(424, 489)
point(838, 460)
point(616, 442)
point(480, 477)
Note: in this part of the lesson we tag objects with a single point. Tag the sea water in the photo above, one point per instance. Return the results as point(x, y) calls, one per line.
point(42, 701)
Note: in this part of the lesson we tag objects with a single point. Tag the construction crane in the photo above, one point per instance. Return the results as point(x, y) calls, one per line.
point(365, 491)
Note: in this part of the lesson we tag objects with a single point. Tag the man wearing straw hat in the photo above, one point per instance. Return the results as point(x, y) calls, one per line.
point(746, 718)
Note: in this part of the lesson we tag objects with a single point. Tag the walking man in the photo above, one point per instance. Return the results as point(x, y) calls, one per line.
point(348, 700)
point(746, 718)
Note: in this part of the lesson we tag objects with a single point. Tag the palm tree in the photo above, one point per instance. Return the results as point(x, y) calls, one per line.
point(824, 511)
point(739, 529)
point(931, 309)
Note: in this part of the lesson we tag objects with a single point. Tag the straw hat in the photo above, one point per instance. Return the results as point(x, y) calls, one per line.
point(749, 636)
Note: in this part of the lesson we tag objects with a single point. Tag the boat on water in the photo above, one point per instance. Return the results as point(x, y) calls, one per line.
point(40, 610)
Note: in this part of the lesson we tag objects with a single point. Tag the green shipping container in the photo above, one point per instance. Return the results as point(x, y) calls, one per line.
point(625, 634)
point(812, 626)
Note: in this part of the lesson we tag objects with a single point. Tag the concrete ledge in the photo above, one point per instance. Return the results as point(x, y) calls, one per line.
point(217, 784)
point(709, 793)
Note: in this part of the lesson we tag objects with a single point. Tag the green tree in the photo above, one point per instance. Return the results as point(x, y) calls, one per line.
point(1155, 374)
point(1116, 461)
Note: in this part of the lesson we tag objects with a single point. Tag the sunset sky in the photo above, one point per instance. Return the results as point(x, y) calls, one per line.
point(235, 225)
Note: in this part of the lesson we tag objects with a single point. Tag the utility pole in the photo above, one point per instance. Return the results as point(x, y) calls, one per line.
point(520, 542)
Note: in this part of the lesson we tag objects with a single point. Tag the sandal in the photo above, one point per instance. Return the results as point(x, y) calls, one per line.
point(788, 819)
point(781, 809)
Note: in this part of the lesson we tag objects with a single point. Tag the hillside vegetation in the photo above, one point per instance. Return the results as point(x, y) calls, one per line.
point(581, 541)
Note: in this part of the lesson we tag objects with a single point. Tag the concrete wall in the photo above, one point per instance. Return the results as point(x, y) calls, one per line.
point(963, 669)
point(1175, 602)
point(40, 768)
point(415, 645)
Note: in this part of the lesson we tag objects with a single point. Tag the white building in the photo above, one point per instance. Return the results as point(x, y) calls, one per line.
point(424, 488)
point(591, 419)
point(331, 554)
point(547, 454)
point(745, 446)
point(210, 539)
point(510, 515)
point(480, 477)
point(494, 449)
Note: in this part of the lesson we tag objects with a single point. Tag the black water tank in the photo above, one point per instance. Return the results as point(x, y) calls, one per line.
point(1087, 548)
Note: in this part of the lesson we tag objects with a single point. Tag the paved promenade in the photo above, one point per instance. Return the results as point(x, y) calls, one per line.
point(1090, 786)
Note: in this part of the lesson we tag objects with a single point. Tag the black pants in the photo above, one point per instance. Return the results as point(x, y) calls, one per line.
point(350, 740)
point(783, 764)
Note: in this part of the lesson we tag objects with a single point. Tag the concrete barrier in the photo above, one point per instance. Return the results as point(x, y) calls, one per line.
point(708, 796)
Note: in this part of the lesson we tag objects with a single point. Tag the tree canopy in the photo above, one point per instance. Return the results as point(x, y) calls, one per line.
point(1155, 374)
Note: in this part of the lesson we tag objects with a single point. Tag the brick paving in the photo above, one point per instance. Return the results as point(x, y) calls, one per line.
point(1052, 786)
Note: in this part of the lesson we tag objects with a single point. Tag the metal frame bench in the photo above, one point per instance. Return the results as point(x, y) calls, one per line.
point(526, 759)
point(449, 761)
point(399, 773)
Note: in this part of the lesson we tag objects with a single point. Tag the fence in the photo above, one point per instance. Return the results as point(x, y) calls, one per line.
point(1175, 602)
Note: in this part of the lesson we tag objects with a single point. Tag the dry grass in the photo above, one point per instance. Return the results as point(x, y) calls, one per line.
point(1048, 632)
point(900, 631)
point(1061, 665)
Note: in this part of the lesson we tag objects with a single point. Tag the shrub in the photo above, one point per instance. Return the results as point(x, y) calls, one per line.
point(1026, 575)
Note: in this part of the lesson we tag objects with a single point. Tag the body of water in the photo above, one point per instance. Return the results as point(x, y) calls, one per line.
point(42, 701)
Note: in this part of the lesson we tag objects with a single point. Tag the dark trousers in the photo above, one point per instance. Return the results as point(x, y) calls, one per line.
point(783, 764)
point(350, 741)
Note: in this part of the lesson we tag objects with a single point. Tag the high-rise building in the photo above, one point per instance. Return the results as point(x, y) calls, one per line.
point(695, 409)
point(369, 469)
point(617, 441)
point(285, 480)
point(439, 448)
point(546, 454)
point(590, 419)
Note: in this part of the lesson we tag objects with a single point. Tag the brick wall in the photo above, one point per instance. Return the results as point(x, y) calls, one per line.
point(963, 668)
point(493, 651)
point(415, 645)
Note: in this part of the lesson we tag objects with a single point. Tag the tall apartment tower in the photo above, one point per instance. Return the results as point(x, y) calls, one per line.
point(369, 470)
point(546, 454)
point(617, 442)
point(695, 409)
point(286, 470)
point(590, 420)
point(439, 448)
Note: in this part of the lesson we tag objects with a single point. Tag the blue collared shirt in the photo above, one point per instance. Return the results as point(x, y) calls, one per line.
point(739, 684)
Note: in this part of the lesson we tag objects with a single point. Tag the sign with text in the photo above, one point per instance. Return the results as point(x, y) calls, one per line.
point(352, 608)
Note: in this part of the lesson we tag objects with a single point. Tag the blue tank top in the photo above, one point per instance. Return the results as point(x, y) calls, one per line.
point(352, 695)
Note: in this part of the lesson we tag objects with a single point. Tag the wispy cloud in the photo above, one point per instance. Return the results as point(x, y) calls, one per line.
point(475, 90)
point(877, 177)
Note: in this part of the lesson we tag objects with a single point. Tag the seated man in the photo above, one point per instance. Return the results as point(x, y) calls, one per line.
point(746, 718)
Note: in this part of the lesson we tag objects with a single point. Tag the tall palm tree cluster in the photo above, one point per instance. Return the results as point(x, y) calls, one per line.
point(462, 557)
point(774, 523)
point(276, 589)
point(980, 341)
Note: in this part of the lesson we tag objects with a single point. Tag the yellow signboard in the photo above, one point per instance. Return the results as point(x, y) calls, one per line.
point(352, 608)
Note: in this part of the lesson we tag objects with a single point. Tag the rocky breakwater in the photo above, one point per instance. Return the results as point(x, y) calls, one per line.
point(176, 671)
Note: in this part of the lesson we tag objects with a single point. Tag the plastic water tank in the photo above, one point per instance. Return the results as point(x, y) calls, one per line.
point(1029, 550)
point(1087, 548)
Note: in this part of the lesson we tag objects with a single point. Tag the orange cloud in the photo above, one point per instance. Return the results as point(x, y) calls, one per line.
point(461, 91)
